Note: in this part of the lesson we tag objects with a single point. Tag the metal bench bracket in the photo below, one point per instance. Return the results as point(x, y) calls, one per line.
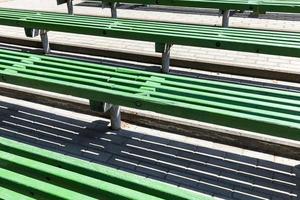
point(112, 6)
point(165, 49)
point(225, 18)
point(113, 111)
point(226, 14)
point(45, 41)
point(69, 5)
point(31, 32)
point(254, 14)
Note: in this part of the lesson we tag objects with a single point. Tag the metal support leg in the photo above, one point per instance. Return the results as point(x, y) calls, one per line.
point(115, 117)
point(113, 111)
point(45, 41)
point(113, 7)
point(165, 50)
point(225, 19)
point(166, 58)
point(70, 7)
point(254, 15)
point(31, 32)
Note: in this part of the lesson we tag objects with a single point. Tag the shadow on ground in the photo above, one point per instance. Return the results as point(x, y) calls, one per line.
point(215, 172)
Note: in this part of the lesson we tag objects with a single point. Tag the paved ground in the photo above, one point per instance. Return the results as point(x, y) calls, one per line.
point(290, 22)
point(219, 170)
point(222, 171)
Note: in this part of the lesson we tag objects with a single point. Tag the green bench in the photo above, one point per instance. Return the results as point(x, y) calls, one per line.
point(262, 110)
point(28, 173)
point(257, 6)
point(164, 35)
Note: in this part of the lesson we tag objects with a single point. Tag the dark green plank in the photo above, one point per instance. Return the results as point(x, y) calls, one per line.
point(248, 40)
point(44, 174)
point(261, 6)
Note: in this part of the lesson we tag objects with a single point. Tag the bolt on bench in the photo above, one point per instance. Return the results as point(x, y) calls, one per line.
point(226, 7)
point(261, 110)
point(164, 35)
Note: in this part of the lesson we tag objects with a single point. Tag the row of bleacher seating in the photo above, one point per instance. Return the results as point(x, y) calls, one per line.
point(41, 174)
point(256, 109)
point(256, 6)
point(164, 35)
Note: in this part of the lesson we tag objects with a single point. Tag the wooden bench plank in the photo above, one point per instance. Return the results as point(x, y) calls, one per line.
point(262, 110)
point(43, 174)
point(251, 5)
point(226, 8)
point(7, 194)
point(247, 40)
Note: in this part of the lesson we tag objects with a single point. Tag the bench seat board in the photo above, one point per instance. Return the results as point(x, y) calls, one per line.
point(257, 109)
point(28, 172)
point(292, 6)
point(248, 40)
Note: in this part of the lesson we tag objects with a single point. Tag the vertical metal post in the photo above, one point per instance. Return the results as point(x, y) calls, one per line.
point(70, 7)
point(31, 32)
point(166, 58)
point(45, 41)
point(114, 112)
point(113, 7)
point(115, 117)
point(225, 19)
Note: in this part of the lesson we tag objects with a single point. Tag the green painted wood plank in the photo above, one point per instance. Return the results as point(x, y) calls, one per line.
point(240, 90)
point(258, 41)
point(33, 159)
point(263, 110)
point(252, 5)
point(6, 194)
point(195, 98)
point(87, 187)
point(175, 94)
point(37, 188)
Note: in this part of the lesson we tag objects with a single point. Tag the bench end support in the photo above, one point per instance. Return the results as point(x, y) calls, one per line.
point(31, 32)
point(115, 117)
point(114, 112)
point(113, 7)
point(225, 19)
point(165, 49)
point(70, 7)
point(45, 41)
